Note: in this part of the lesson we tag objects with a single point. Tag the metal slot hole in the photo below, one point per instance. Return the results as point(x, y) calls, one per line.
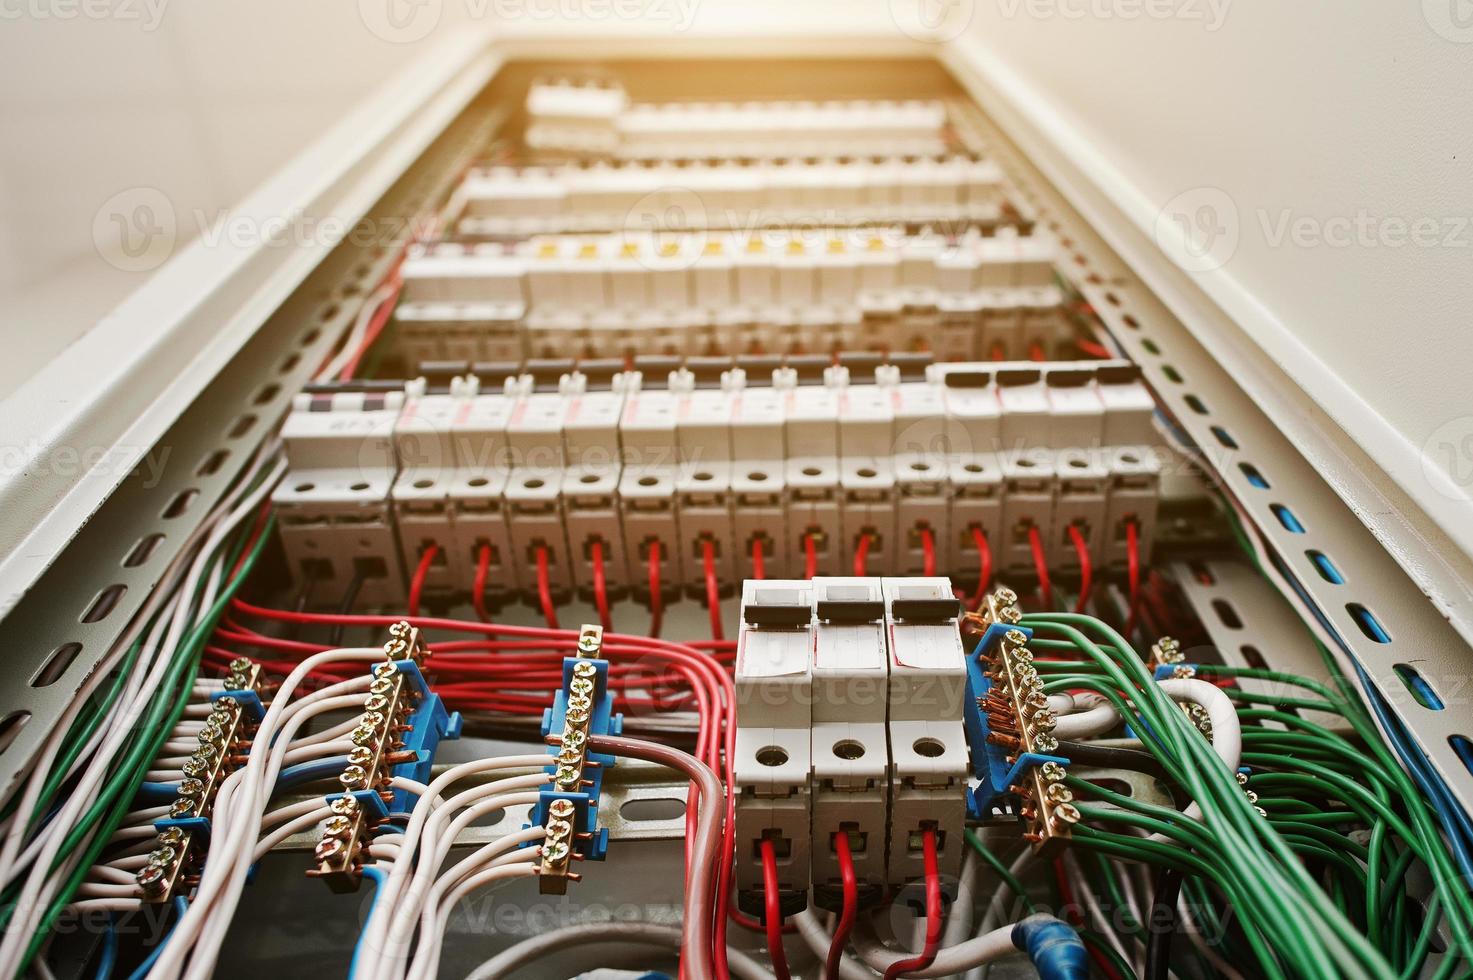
point(1417, 686)
point(56, 664)
point(143, 550)
point(10, 727)
point(106, 602)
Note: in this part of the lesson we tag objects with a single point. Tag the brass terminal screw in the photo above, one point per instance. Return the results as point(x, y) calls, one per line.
point(1044, 742)
point(361, 755)
point(171, 835)
point(162, 857)
point(561, 809)
point(1005, 597)
point(181, 808)
point(1067, 814)
point(1052, 771)
point(240, 665)
point(151, 880)
point(337, 826)
point(191, 787)
point(329, 848)
point(344, 806)
point(385, 671)
point(354, 777)
point(585, 670)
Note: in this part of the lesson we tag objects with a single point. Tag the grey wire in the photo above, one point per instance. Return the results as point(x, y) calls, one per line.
point(528, 951)
point(700, 890)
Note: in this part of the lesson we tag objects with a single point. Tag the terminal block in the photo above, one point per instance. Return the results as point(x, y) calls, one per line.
point(1014, 752)
point(397, 734)
point(173, 864)
point(774, 690)
point(569, 808)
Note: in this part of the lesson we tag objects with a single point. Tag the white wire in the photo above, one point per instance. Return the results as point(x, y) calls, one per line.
point(40, 884)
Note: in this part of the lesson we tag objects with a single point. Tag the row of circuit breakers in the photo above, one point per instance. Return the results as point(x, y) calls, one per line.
point(850, 702)
point(801, 468)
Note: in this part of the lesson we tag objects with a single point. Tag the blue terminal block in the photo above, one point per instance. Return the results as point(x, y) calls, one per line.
point(429, 724)
point(996, 774)
point(591, 841)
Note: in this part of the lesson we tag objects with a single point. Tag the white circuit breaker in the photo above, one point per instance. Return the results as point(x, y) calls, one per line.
point(851, 751)
point(334, 505)
point(774, 691)
point(928, 748)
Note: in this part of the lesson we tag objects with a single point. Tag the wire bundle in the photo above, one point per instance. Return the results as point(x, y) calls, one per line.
point(1308, 899)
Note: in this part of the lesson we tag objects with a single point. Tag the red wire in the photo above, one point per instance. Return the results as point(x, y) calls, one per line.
point(759, 562)
point(375, 327)
point(1040, 565)
point(774, 917)
point(417, 583)
point(1092, 349)
point(478, 586)
point(544, 589)
point(928, 551)
point(657, 604)
point(1086, 572)
point(933, 914)
point(984, 558)
point(1133, 564)
point(810, 556)
point(997, 353)
point(1035, 351)
point(861, 555)
point(713, 588)
point(600, 584)
point(851, 906)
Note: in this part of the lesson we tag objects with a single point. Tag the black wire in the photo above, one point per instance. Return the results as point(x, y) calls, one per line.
point(1113, 757)
point(346, 606)
point(1161, 924)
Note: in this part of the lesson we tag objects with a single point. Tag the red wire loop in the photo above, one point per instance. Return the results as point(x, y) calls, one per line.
point(933, 913)
point(1086, 571)
point(810, 556)
point(928, 551)
point(713, 587)
point(774, 907)
point(861, 555)
point(851, 906)
point(759, 560)
point(984, 569)
point(600, 583)
point(1040, 565)
point(421, 572)
point(478, 586)
point(1133, 566)
point(657, 602)
point(544, 589)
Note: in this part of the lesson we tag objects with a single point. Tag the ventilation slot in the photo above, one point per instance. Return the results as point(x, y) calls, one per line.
point(56, 664)
point(1368, 623)
point(1325, 567)
point(1286, 517)
point(1418, 687)
point(105, 603)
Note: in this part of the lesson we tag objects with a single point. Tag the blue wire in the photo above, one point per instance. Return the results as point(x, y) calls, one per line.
point(109, 957)
point(377, 876)
point(162, 792)
point(181, 905)
point(306, 772)
point(1457, 826)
